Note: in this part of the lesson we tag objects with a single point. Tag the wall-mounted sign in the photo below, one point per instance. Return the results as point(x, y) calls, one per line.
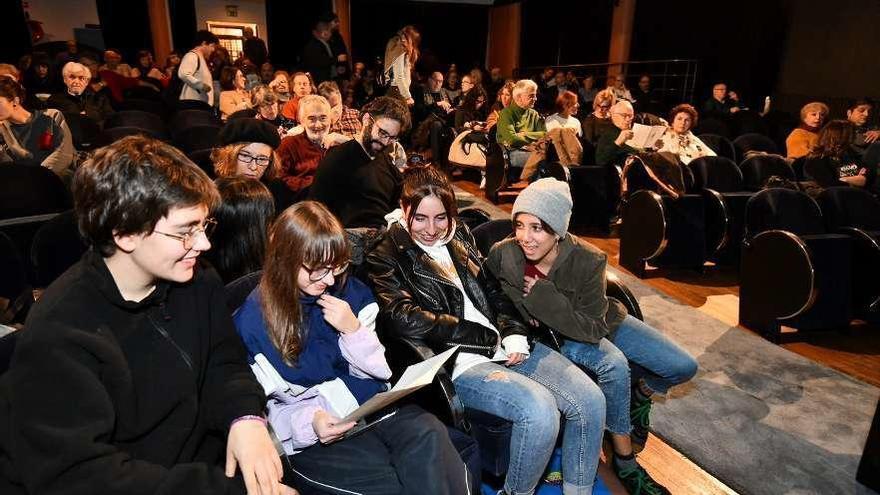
point(232, 11)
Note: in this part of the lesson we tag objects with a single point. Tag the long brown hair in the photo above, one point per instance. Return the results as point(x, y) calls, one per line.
point(421, 182)
point(415, 38)
point(834, 139)
point(306, 234)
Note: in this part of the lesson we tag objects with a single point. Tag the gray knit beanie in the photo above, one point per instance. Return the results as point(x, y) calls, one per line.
point(547, 199)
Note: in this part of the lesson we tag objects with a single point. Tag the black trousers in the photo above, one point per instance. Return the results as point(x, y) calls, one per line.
point(409, 453)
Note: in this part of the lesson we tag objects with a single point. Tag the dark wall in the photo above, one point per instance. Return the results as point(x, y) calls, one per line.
point(451, 33)
point(125, 26)
point(831, 53)
point(737, 42)
point(289, 25)
point(15, 39)
point(182, 14)
point(561, 32)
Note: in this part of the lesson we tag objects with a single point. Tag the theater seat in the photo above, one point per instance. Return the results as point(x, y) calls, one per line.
point(56, 247)
point(856, 213)
point(752, 142)
point(140, 119)
point(720, 145)
point(757, 169)
point(720, 182)
point(197, 137)
point(793, 272)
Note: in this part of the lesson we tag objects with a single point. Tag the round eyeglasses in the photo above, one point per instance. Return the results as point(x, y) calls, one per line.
point(189, 238)
point(317, 274)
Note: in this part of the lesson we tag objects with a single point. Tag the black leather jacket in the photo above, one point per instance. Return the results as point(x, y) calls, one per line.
point(421, 305)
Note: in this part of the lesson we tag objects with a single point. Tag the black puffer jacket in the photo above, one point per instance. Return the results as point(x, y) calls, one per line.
point(421, 305)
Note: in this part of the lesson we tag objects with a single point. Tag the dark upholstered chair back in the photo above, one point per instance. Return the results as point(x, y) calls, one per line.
point(716, 172)
point(487, 234)
point(56, 247)
point(719, 144)
point(31, 190)
point(783, 209)
point(846, 206)
point(239, 289)
point(757, 169)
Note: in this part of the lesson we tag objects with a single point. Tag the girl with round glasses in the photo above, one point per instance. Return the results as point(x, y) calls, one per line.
point(313, 329)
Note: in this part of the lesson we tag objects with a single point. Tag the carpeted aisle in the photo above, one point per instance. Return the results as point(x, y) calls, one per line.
point(761, 419)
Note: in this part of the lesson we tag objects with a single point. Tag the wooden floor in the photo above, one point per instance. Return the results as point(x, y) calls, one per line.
point(854, 351)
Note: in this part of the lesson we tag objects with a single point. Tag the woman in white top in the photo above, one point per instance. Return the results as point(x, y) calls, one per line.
point(679, 139)
point(401, 54)
point(433, 289)
point(234, 96)
point(566, 108)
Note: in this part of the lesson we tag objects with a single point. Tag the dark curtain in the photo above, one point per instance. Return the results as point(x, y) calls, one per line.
point(183, 24)
point(126, 26)
point(565, 32)
point(289, 25)
point(15, 39)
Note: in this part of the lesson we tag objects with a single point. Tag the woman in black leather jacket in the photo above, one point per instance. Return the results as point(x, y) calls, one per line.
point(432, 289)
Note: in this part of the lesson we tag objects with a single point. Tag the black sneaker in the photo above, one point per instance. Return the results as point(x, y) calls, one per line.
point(640, 417)
point(637, 481)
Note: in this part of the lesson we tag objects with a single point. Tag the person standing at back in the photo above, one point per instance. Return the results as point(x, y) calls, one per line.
point(194, 72)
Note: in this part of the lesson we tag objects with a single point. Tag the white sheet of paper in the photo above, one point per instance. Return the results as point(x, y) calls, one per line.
point(645, 136)
point(414, 377)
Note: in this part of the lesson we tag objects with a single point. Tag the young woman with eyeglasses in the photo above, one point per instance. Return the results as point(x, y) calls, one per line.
point(313, 329)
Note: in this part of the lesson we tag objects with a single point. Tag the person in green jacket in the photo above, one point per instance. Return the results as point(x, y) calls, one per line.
point(557, 282)
point(520, 128)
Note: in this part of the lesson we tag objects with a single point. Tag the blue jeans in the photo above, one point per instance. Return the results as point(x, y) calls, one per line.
point(664, 364)
point(531, 396)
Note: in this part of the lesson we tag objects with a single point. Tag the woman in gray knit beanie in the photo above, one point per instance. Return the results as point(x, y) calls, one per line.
point(557, 282)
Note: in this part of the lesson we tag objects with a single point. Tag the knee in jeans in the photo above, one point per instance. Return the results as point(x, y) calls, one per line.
point(686, 369)
point(614, 368)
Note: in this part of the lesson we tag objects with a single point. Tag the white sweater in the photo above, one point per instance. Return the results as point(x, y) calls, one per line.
point(192, 71)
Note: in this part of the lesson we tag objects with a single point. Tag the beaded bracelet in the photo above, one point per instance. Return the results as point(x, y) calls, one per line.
point(249, 417)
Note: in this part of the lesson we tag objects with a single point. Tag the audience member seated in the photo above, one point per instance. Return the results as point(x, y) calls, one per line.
point(611, 149)
point(40, 81)
point(267, 72)
point(566, 108)
point(247, 149)
point(557, 281)
point(619, 88)
point(39, 138)
point(430, 100)
point(835, 162)
point(401, 55)
point(520, 127)
point(71, 54)
point(194, 71)
point(97, 83)
point(467, 84)
point(281, 86)
point(309, 323)
point(300, 155)
point(858, 112)
point(243, 216)
point(470, 114)
point(302, 86)
point(678, 138)
point(234, 96)
point(599, 122)
point(9, 70)
point(452, 88)
point(172, 62)
point(357, 180)
point(145, 69)
point(722, 103)
point(499, 370)
point(648, 99)
point(150, 383)
point(804, 137)
point(502, 101)
point(344, 120)
point(495, 83)
point(79, 97)
point(264, 106)
point(587, 92)
point(113, 62)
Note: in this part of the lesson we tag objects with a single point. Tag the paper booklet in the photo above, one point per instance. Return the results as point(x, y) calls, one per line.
point(414, 377)
point(646, 136)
